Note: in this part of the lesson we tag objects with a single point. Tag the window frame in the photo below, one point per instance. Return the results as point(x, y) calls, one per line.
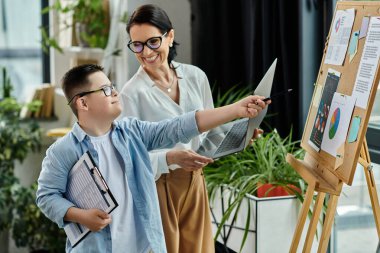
point(45, 55)
point(373, 137)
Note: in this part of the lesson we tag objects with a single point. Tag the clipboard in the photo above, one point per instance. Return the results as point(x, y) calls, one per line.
point(86, 189)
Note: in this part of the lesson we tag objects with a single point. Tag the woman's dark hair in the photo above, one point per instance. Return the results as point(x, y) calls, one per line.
point(154, 15)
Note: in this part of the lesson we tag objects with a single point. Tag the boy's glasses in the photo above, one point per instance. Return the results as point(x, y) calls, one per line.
point(106, 89)
point(153, 43)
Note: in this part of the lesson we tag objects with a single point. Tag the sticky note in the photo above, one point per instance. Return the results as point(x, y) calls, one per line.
point(354, 129)
point(364, 27)
point(317, 95)
point(353, 47)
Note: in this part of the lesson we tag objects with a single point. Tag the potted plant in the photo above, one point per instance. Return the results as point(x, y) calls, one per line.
point(242, 186)
point(236, 180)
point(31, 228)
point(18, 213)
point(89, 23)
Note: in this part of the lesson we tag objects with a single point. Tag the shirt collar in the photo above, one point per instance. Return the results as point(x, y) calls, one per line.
point(80, 134)
point(141, 72)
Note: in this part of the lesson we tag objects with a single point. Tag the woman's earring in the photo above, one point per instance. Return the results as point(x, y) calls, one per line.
point(171, 45)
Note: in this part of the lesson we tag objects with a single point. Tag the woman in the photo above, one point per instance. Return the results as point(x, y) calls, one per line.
point(163, 89)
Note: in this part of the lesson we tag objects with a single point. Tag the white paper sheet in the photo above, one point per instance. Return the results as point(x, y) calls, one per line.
point(339, 37)
point(368, 64)
point(337, 123)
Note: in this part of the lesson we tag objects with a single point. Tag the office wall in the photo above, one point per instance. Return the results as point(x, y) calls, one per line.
point(310, 54)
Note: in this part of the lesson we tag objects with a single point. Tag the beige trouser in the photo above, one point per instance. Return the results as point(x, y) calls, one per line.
point(185, 212)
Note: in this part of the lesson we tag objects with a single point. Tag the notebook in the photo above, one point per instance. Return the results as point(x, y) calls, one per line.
point(234, 136)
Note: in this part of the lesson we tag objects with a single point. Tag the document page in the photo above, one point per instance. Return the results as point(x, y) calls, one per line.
point(339, 37)
point(86, 189)
point(337, 123)
point(368, 64)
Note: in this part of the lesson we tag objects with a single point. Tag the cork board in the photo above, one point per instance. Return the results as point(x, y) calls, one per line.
point(350, 151)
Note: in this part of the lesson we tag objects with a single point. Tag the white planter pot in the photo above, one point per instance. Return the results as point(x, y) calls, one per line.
point(272, 223)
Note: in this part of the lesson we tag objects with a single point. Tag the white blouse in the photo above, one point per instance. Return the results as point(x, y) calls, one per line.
point(141, 98)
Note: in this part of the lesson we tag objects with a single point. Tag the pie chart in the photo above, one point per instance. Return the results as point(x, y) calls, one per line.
point(334, 123)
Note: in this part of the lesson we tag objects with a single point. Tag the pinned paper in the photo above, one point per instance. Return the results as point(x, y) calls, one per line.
point(337, 123)
point(354, 129)
point(353, 48)
point(319, 125)
point(368, 64)
point(340, 36)
point(364, 27)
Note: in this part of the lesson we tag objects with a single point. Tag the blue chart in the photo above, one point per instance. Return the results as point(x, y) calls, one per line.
point(334, 123)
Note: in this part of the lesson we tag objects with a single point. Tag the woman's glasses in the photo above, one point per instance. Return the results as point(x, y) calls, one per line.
point(106, 89)
point(152, 43)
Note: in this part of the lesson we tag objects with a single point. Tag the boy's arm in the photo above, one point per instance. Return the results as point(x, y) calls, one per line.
point(167, 133)
point(51, 187)
point(248, 107)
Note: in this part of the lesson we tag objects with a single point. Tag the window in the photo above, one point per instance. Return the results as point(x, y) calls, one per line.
point(375, 115)
point(20, 50)
point(354, 226)
point(373, 132)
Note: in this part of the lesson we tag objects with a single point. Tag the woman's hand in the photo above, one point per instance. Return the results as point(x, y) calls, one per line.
point(187, 159)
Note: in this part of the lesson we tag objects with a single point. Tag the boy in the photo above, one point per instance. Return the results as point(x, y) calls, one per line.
point(120, 148)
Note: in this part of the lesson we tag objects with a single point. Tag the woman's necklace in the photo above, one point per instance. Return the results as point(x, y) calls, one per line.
point(168, 89)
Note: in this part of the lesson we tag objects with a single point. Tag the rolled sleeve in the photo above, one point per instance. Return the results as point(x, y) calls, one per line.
point(189, 126)
point(51, 187)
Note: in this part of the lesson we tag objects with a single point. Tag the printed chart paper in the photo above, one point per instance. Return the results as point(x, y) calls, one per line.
point(339, 37)
point(338, 122)
point(368, 64)
point(329, 89)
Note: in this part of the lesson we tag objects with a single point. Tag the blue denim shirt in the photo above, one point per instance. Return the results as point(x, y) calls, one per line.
point(133, 139)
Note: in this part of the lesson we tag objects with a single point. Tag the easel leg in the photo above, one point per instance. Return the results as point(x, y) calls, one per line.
point(302, 217)
point(329, 219)
point(314, 222)
point(374, 198)
point(370, 184)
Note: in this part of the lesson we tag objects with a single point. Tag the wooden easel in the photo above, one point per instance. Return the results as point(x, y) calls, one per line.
point(326, 174)
point(317, 183)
